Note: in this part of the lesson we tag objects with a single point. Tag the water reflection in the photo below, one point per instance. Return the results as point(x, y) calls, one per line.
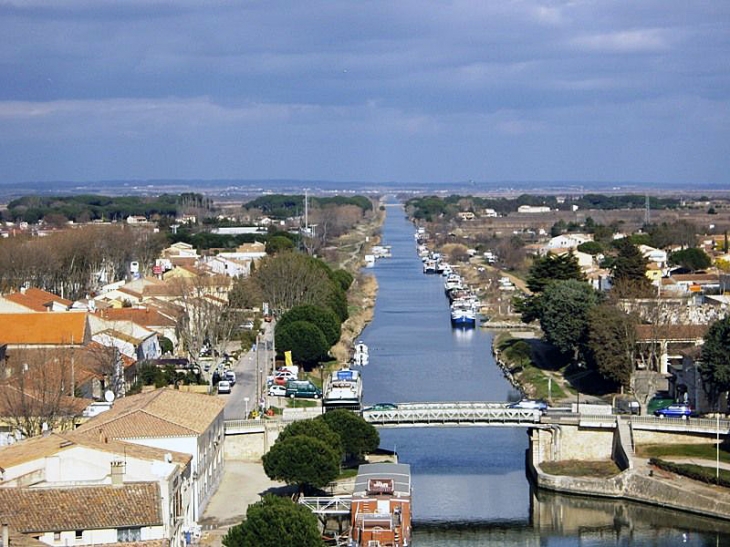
point(469, 484)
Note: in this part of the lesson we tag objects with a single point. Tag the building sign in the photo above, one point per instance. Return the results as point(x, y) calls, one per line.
point(380, 486)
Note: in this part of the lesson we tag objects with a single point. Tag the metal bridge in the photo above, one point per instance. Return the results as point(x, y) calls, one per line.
point(452, 414)
point(480, 414)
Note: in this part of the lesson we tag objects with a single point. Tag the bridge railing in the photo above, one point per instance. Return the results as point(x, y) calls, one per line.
point(704, 425)
point(415, 414)
point(327, 505)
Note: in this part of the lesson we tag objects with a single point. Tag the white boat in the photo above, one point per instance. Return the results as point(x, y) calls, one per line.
point(343, 390)
point(361, 356)
point(463, 314)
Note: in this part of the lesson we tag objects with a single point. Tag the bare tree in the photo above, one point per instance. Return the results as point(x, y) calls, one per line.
point(37, 392)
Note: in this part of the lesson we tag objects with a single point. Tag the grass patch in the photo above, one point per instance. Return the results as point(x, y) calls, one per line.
point(517, 354)
point(700, 451)
point(302, 403)
point(700, 473)
point(580, 468)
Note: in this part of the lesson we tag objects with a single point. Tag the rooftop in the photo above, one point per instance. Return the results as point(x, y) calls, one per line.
point(163, 412)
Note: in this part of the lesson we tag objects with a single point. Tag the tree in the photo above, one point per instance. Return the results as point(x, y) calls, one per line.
point(316, 429)
point(591, 247)
point(545, 270)
point(289, 279)
point(629, 272)
point(553, 267)
point(303, 461)
point(693, 259)
point(715, 359)
point(275, 522)
point(323, 318)
point(565, 305)
point(279, 243)
point(306, 342)
point(611, 343)
point(38, 389)
point(357, 436)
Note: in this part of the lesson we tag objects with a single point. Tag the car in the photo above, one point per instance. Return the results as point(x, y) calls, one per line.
point(230, 376)
point(224, 386)
point(302, 389)
point(529, 404)
point(277, 391)
point(674, 411)
point(283, 377)
point(379, 407)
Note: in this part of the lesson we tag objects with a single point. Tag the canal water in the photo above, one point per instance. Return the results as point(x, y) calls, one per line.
point(469, 484)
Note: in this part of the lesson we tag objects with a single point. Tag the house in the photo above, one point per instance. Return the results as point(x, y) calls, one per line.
point(658, 344)
point(566, 242)
point(246, 251)
point(149, 317)
point(232, 267)
point(191, 423)
point(180, 254)
point(465, 215)
point(532, 209)
point(65, 488)
point(44, 329)
point(33, 299)
point(490, 213)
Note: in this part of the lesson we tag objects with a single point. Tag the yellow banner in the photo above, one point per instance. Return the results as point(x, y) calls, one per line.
point(287, 358)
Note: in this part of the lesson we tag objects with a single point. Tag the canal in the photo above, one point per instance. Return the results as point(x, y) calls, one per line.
point(469, 484)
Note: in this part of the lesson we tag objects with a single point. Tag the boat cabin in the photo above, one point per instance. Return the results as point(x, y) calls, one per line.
point(381, 506)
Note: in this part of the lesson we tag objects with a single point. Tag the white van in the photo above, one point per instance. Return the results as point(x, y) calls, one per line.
point(224, 386)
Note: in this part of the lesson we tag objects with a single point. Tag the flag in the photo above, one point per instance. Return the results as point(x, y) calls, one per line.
point(287, 358)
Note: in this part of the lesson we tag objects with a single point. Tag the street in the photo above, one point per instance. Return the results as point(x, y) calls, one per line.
point(251, 370)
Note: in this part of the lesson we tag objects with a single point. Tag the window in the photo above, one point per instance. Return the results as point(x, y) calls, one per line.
point(56, 536)
point(129, 534)
point(79, 535)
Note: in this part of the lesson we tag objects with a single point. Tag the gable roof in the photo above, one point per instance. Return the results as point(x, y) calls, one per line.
point(160, 413)
point(36, 448)
point(43, 328)
point(147, 317)
point(37, 299)
point(34, 510)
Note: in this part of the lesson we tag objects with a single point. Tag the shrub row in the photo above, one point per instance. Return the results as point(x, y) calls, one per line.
point(695, 472)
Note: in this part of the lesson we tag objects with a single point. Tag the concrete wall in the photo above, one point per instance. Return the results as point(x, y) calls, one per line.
point(659, 437)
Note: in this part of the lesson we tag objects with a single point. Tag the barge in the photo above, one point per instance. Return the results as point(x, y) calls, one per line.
point(380, 512)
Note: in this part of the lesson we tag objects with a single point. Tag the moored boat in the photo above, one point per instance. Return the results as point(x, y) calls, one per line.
point(343, 390)
point(361, 357)
point(463, 314)
point(381, 506)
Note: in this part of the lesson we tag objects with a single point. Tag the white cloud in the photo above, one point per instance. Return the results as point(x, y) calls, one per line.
point(627, 41)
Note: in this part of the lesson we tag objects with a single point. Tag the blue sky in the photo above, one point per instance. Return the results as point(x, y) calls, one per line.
point(380, 91)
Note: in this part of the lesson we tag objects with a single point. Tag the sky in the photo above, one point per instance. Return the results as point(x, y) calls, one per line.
point(368, 90)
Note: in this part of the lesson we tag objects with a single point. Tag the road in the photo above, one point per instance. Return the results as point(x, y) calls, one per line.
point(251, 370)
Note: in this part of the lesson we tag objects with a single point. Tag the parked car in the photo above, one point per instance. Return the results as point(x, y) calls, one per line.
point(283, 377)
point(224, 386)
point(530, 404)
point(302, 389)
point(231, 377)
point(277, 391)
point(380, 407)
point(674, 411)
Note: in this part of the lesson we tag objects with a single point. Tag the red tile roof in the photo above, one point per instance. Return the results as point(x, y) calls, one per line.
point(43, 328)
point(34, 510)
point(36, 299)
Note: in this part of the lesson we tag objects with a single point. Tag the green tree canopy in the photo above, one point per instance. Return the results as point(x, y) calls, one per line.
point(316, 429)
point(304, 339)
point(611, 343)
point(629, 272)
point(275, 522)
point(343, 278)
point(564, 320)
point(591, 247)
point(303, 461)
point(553, 267)
point(693, 259)
point(323, 318)
point(357, 436)
point(278, 243)
point(715, 359)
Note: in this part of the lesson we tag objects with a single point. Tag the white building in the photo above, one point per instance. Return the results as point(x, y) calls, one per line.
point(69, 490)
point(190, 423)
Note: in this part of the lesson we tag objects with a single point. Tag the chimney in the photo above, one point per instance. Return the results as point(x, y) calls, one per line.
point(117, 473)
